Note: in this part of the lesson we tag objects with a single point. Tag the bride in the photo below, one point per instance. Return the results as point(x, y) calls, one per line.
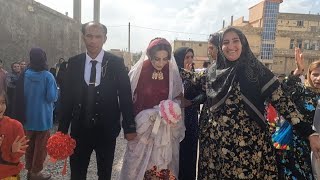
point(154, 79)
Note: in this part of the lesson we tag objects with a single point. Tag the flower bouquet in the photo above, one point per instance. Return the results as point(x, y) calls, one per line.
point(60, 146)
point(170, 111)
point(163, 174)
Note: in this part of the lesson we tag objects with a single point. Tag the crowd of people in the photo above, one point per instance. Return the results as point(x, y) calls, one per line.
point(158, 106)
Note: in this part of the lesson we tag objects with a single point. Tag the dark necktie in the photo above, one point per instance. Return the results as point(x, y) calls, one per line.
point(93, 73)
point(90, 120)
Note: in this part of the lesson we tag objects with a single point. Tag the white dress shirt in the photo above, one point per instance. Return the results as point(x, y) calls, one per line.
point(88, 65)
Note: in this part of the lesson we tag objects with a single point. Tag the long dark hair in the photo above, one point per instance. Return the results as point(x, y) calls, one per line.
point(38, 60)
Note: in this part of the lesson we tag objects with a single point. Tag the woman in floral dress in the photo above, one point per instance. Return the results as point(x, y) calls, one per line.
point(296, 163)
point(234, 139)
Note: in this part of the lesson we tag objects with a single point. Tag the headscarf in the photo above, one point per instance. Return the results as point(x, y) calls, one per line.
point(156, 44)
point(215, 40)
point(180, 55)
point(167, 141)
point(256, 81)
point(38, 59)
point(175, 82)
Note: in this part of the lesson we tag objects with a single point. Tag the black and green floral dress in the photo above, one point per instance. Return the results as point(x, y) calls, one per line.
point(296, 162)
point(233, 146)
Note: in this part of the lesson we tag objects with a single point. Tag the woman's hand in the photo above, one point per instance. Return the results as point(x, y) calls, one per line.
point(298, 55)
point(185, 102)
point(315, 145)
point(189, 67)
point(19, 145)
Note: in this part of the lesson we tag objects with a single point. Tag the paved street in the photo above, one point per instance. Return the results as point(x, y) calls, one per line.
point(55, 169)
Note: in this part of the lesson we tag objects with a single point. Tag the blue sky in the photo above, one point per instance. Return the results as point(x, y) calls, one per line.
point(197, 18)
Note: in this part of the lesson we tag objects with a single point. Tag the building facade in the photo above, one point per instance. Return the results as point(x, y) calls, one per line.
point(273, 36)
point(26, 24)
point(125, 55)
point(199, 48)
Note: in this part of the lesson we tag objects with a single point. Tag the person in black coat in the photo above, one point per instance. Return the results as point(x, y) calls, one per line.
point(96, 92)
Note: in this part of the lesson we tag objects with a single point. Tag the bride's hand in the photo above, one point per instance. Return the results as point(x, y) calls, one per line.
point(130, 136)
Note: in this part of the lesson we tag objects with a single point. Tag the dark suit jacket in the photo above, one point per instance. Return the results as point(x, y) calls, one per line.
point(115, 93)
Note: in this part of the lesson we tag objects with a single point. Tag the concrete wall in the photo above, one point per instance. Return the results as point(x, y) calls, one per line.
point(26, 24)
point(240, 22)
point(200, 48)
point(289, 22)
point(256, 14)
point(282, 42)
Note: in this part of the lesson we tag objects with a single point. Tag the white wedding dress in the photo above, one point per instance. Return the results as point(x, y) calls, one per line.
point(157, 143)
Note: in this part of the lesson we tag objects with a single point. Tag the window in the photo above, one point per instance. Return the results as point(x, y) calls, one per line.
point(314, 45)
point(291, 43)
point(317, 46)
point(183, 44)
point(269, 29)
point(200, 44)
point(299, 43)
point(306, 44)
point(299, 23)
point(267, 51)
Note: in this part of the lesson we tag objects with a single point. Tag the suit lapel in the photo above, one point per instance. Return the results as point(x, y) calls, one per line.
point(104, 65)
point(82, 63)
point(81, 66)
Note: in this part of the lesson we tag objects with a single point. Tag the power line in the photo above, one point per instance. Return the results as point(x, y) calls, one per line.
point(164, 30)
point(169, 30)
point(118, 26)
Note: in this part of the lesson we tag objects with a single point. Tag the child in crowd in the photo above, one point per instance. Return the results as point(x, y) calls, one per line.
point(13, 144)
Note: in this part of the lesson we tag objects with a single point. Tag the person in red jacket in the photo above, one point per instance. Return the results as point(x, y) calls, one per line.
point(13, 143)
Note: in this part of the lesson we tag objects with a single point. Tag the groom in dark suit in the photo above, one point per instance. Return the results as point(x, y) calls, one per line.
point(96, 92)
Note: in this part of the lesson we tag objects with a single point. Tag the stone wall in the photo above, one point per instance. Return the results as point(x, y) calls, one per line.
point(26, 24)
point(296, 16)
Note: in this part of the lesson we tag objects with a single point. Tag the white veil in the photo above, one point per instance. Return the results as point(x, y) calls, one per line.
point(161, 149)
point(175, 82)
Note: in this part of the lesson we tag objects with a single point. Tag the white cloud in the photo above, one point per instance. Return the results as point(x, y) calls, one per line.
point(192, 16)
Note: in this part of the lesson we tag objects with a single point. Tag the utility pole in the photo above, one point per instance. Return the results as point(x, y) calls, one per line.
point(96, 11)
point(129, 50)
point(77, 10)
point(129, 37)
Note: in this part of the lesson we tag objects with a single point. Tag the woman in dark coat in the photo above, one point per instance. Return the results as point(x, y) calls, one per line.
point(189, 145)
